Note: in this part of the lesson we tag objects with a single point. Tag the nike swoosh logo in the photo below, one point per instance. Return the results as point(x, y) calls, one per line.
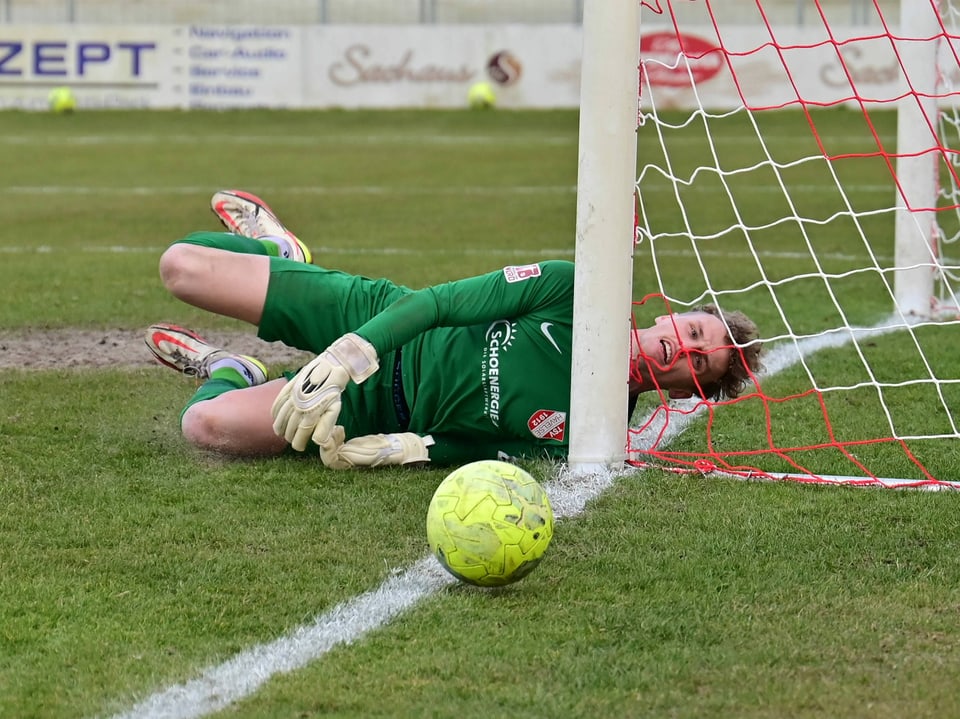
point(545, 328)
point(159, 337)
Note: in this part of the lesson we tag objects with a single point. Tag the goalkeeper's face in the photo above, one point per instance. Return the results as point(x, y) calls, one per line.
point(679, 354)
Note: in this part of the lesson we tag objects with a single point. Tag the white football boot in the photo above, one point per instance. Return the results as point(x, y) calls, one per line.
point(187, 352)
point(243, 213)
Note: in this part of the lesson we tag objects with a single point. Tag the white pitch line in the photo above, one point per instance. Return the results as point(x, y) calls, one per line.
point(543, 252)
point(318, 252)
point(318, 140)
point(339, 190)
point(413, 190)
point(218, 687)
point(416, 139)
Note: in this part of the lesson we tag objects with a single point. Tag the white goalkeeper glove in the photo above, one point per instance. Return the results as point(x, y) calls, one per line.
point(309, 405)
point(374, 450)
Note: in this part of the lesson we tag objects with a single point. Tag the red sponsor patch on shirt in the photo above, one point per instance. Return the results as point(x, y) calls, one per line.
point(519, 273)
point(548, 424)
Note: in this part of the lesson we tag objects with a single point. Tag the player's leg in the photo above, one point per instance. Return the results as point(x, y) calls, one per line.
point(230, 411)
point(217, 272)
point(228, 273)
point(302, 305)
point(237, 422)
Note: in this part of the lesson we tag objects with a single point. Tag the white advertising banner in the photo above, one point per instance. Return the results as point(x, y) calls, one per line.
point(427, 66)
point(232, 66)
point(152, 66)
point(220, 67)
point(424, 66)
point(106, 65)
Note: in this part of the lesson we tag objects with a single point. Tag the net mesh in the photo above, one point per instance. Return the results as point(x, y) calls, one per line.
point(771, 181)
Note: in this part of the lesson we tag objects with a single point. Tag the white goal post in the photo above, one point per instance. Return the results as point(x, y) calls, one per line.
point(742, 116)
point(916, 166)
point(604, 234)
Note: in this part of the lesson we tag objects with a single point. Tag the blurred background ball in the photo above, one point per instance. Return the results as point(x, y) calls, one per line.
point(62, 100)
point(481, 96)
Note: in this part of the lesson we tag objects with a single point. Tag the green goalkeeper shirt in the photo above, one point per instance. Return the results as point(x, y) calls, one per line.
point(484, 363)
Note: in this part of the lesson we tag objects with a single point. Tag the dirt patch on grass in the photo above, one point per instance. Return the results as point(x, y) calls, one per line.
point(71, 348)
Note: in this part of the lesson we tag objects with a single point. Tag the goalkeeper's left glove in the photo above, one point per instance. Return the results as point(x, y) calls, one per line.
point(309, 405)
point(374, 450)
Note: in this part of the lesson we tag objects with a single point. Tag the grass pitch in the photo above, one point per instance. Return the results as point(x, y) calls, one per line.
point(131, 562)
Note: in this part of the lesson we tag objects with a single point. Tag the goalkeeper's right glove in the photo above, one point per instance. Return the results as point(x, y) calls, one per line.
point(374, 450)
point(308, 406)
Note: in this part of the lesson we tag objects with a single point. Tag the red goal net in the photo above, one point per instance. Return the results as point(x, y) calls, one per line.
point(796, 162)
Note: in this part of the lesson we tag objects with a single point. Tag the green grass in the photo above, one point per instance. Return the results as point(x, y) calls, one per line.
point(130, 561)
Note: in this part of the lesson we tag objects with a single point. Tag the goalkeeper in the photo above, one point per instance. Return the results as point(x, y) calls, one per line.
point(478, 368)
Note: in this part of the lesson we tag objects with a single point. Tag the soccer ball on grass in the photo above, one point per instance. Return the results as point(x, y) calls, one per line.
point(489, 523)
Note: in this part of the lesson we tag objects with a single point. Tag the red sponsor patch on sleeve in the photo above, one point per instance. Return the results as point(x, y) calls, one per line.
point(548, 424)
point(519, 273)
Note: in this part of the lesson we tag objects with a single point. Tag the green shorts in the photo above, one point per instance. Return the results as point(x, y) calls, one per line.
point(308, 307)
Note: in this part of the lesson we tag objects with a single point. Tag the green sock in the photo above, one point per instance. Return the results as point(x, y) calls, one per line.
point(272, 248)
point(226, 373)
point(234, 370)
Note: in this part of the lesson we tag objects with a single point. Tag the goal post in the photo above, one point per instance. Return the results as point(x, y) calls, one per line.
point(916, 162)
point(606, 173)
point(799, 172)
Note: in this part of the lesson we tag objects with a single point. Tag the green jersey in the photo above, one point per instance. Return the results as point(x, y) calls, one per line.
point(485, 361)
point(481, 364)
